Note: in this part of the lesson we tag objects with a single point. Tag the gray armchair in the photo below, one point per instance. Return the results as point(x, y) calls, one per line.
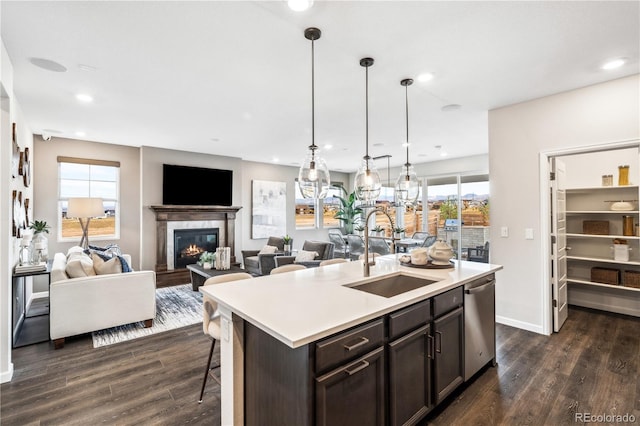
point(340, 249)
point(323, 248)
point(262, 264)
point(356, 246)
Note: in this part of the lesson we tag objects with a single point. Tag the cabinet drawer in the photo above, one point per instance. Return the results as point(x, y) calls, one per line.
point(448, 301)
point(407, 319)
point(348, 345)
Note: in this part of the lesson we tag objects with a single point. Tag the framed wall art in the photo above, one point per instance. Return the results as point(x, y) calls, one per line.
point(269, 209)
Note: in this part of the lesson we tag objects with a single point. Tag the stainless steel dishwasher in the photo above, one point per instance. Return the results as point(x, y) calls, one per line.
point(479, 324)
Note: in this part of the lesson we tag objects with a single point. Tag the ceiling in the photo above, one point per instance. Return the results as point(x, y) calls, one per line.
point(234, 77)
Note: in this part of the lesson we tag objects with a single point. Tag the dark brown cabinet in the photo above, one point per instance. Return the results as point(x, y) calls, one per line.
point(410, 377)
point(353, 394)
point(448, 335)
point(391, 370)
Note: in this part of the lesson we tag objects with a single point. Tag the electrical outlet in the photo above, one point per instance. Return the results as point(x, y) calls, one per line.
point(528, 234)
point(504, 232)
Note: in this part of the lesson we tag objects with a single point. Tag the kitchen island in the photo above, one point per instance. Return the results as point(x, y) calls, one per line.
point(279, 333)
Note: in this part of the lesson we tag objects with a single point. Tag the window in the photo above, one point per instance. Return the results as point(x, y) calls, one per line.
point(79, 177)
point(330, 206)
point(305, 210)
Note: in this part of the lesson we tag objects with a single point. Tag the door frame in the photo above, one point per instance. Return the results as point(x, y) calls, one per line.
point(545, 216)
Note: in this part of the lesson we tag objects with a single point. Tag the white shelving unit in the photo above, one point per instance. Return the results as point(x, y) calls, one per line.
point(588, 250)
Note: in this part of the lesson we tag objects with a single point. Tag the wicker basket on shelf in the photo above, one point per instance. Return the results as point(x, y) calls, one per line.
point(595, 227)
point(631, 279)
point(605, 275)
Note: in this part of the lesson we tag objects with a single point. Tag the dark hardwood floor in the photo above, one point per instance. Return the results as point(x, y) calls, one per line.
point(590, 366)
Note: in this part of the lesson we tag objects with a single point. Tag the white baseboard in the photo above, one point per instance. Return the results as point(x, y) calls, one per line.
point(605, 307)
point(536, 328)
point(6, 376)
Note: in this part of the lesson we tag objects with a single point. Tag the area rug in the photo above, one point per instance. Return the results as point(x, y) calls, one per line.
point(177, 306)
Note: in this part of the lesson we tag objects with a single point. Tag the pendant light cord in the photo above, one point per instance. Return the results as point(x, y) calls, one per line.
point(366, 91)
point(406, 104)
point(313, 99)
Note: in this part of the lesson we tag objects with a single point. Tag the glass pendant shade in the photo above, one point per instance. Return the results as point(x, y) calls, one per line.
point(313, 178)
point(407, 186)
point(367, 183)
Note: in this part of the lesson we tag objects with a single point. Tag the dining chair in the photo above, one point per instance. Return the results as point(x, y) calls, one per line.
point(378, 245)
point(341, 248)
point(356, 246)
point(287, 268)
point(211, 318)
point(333, 261)
point(428, 242)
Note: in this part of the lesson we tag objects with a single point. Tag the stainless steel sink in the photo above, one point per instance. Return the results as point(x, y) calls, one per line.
point(393, 286)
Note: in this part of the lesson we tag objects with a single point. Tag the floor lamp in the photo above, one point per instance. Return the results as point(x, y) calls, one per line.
point(84, 209)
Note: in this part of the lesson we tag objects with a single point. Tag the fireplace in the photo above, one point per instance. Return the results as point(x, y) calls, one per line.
point(188, 245)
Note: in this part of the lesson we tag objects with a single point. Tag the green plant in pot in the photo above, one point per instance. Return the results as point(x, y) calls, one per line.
point(377, 230)
point(287, 243)
point(398, 232)
point(206, 260)
point(348, 213)
point(359, 229)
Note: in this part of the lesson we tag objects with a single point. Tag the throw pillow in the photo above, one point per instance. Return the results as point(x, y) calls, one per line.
point(305, 256)
point(268, 250)
point(79, 265)
point(104, 267)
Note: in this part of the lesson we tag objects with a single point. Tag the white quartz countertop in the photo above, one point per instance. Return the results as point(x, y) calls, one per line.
point(303, 306)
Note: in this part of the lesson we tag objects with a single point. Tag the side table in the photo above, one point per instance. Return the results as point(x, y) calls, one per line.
point(33, 326)
point(199, 275)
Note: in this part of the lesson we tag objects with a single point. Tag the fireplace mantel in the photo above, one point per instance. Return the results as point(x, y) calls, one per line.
point(170, 213)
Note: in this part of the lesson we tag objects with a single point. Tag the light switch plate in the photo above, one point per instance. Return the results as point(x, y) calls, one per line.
point(504, 232)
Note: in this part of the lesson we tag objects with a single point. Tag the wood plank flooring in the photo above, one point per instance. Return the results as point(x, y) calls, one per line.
point(590, 366)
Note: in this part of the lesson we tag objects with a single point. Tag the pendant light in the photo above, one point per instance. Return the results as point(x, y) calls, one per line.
point(367, 180)
point(407, 185)
point(313, 178)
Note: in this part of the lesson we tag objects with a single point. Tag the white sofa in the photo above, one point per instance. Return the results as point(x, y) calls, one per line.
point(85, 304)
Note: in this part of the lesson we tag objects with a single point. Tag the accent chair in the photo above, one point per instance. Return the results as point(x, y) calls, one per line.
point(257, 263)
point(323, 249)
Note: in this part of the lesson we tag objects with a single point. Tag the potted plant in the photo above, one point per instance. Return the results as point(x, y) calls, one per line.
point(40, 241)
point(377, 231)
point(359, 229)
point(398, 232)
point(206, 259)
point(287, 243)
point(348, 213)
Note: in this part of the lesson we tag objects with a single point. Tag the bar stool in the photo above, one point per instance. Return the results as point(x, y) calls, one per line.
point(211, 318)
point(287, 268)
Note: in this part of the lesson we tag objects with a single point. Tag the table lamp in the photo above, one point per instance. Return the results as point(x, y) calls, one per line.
point(84, 209)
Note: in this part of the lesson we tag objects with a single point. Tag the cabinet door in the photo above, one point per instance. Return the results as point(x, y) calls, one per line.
point(353, 394)
point(448, 363)
point(18, 305)
point(410, 377)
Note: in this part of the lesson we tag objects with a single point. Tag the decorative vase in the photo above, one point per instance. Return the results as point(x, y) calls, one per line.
point(40, 250)
point(287, 249)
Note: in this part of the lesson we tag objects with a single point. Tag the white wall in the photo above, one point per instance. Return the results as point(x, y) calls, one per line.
point(46, 189)
point(592, 115)
point(10, 113)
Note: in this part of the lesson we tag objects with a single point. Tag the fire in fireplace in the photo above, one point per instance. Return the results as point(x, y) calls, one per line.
point(188, 244)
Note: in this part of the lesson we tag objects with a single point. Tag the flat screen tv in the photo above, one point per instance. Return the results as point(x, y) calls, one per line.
point(196, 186)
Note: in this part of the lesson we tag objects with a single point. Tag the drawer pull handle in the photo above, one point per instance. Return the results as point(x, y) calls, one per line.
point(430, 349)
point(438, 340)
point(363, 341)
point(362, 366)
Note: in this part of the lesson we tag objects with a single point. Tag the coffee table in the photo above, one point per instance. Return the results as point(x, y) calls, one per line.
point(200, 275)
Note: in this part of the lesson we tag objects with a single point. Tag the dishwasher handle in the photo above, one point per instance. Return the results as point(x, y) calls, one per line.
point(480, 288)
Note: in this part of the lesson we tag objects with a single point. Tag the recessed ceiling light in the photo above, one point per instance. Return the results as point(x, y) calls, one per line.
point(48, 64)
point(422, 155)
point(405, 144)
point(451, 107)
point(215, 139)
point(437, 146)
point(83, 97)
point(81, 134)
point(424, 77)
point(443, 154)
point(378, 144)
point(614, 63)
point(327, 146)
point(84, 67)
point(299, 5)
point(275, 159)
